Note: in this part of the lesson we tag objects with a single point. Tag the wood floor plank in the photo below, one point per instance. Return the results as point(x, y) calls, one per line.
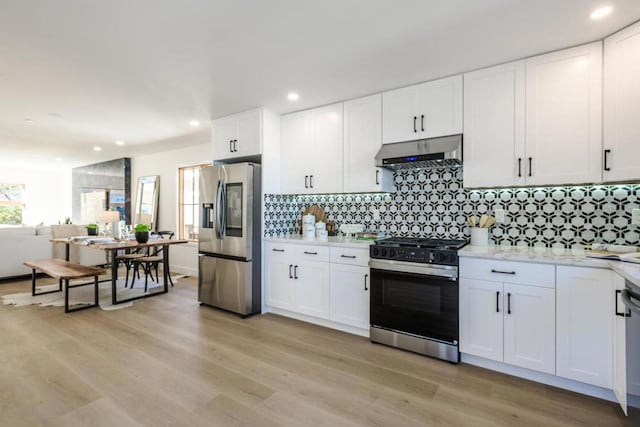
point(169, 361)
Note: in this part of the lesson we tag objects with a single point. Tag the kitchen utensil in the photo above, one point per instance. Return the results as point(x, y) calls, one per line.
point(472, 220)
point(483, 221)
point(490, 222)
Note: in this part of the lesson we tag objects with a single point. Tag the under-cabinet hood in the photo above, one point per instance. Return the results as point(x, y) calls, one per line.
point(421, 153)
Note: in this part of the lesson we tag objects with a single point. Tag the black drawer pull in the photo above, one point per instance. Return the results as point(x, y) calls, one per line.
point(277, 250)
point(295, 271)
point(508, 302)
point(290, 267)
point(365, 282)
point(497, 301)
point(348, 256)
point(310, 253)
point(503, 272)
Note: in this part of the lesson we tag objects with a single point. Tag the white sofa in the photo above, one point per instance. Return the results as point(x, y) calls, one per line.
point(20, 244)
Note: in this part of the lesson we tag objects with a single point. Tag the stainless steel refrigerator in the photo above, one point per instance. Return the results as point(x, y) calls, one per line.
point(229, 238)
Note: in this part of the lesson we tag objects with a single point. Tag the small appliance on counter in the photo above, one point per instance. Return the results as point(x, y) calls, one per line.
point(229, 244)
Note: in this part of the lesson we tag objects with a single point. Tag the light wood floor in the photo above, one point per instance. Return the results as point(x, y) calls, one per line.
point(169, 362)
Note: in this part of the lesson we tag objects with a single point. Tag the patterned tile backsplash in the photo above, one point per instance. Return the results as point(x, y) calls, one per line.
point(432, 203)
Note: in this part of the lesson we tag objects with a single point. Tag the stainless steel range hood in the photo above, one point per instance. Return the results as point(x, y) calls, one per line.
point(421, 153)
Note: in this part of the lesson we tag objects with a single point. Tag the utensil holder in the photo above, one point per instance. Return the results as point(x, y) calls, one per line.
point(479, 236)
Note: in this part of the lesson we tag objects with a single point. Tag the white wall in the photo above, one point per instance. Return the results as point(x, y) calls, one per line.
point(47, 193)
point(184, 258)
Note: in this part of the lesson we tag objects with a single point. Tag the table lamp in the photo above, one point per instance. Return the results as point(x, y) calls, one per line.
point(111, 218)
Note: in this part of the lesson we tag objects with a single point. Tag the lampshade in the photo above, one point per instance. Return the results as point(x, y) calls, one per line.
point(108, 217)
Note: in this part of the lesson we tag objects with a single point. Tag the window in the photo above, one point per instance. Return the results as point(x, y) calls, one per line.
point(188, 204)
point(11, 204)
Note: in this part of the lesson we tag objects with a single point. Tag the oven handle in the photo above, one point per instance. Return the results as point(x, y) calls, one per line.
point(626, 295)
point(447, 272)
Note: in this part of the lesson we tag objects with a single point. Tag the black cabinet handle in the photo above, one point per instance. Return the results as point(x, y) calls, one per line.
point(235, 145)
point(365, 282)
point(414, 124)
point(508, 302)
point(519, 167)
point(497, 301)
point(623, 314)
point(290, 275)
point(310, 181)
point(306, 181)
point(231, 145)
point(377, 177)
point(530, 166)
point(503, 272)
point(277, 250)
point(348, 256)
point(606, 157)
point(295, 271)
point(422, 122)
point(310, 253)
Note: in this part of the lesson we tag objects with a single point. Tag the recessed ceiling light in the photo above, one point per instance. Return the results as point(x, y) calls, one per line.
point(292, 96)
point(601, 12)
point(96, 148)
point(29, 120)
point(194, 123)
point(120, 142)
point(58, 159)
point(56, 115)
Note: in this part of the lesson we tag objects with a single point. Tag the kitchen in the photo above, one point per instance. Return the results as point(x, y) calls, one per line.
point(413, 164)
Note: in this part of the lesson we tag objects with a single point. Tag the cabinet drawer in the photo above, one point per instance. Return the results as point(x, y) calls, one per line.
point(311, 253)
point(278, 249)
point(509, 271)
point(353, 256)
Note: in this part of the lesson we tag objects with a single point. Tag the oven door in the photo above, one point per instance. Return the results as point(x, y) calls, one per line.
point(414, 298)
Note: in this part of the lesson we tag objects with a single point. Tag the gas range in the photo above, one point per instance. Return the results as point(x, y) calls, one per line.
point(414, 249)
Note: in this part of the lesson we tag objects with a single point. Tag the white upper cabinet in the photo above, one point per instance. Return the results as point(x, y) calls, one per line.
point(422, 111)
point(622, 105)
point(362, 140)
point(311, 151)
point(494, 105)
point(564, 116)
point(239, 135)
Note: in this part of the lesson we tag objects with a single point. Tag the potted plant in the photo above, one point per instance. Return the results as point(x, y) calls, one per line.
point(142, 233)
point(92, 229)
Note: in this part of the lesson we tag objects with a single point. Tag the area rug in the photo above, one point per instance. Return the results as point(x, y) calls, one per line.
point(84, 295)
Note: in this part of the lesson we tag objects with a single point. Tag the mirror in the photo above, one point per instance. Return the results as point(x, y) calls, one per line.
point(147, 201)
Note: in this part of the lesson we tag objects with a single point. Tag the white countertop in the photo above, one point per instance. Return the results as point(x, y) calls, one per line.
point(332, 241)
point(571, 257)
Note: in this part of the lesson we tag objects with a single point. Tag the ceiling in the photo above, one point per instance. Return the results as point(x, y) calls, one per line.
point(87, 73)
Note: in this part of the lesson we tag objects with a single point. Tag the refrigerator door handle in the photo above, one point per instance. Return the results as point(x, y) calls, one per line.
point(220, 211)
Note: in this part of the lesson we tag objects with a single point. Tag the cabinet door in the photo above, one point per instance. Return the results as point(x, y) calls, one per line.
point(295, 148)
point(619, 345)
point(529, 327)
point(564, 116)
point(440, 107)
point(362, 140)
point(325, 160)
point(312, 288)
point(249, 131)
point(399, 115)
point(584, 325)
point(280, 286)
point(494, 126)
point(225, 131)
point(481, 318)
point(622, 104)
point(350, 295)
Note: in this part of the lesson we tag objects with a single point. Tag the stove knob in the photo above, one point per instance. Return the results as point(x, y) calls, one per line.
point(376, 252)
point(441, 257)
point(430, 257)
point(392, 253)
point(383, 252)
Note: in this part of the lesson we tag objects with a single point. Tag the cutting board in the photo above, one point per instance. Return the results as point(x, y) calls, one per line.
point(316, 211)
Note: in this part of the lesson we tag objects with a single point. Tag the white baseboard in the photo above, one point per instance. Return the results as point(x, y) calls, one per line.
point(184, 270)
point(317, 321)
point(539, 377)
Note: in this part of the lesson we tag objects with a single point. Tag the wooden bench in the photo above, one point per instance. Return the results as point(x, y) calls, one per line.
point(64, 271)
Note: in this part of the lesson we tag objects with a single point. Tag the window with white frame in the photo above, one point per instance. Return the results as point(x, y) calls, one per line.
point(188, 202)
point(11, 203)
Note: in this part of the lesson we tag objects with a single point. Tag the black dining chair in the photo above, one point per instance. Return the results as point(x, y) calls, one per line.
point(151, 261)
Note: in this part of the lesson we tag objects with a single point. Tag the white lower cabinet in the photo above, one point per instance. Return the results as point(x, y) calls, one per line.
point(326, 283)
point(585, 316)
point(508, 322)
point(350, 295)
point(619, 380)
point(311, 281)
point(529, 327)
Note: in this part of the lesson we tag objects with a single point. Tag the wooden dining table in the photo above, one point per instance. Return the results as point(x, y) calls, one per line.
point(126, 245)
